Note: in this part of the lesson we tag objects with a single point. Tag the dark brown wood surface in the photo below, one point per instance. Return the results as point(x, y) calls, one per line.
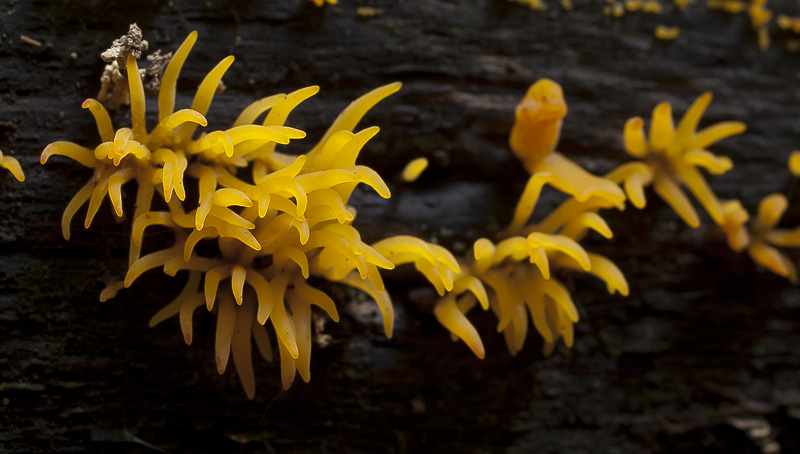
point(706, 343)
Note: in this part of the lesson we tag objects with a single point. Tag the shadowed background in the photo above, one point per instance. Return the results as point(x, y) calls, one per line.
point(704, 350)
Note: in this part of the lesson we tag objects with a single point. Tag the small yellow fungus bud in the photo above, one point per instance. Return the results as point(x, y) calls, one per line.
point(413, 169)
point(667, 33)
point(633, 5)
point(651, 7)
point(794, 163)
point(734, 225)
point(681, 4)
point(368, 11)
point(784, 22)
point(567, 5)
point(536, 5)
point(617, 10)
point(759, 15)
point(733, 7)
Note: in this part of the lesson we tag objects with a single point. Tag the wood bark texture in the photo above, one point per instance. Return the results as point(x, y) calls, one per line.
point(703, 356)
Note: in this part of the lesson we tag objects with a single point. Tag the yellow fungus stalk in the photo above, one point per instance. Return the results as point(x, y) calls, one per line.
point(538, 122)
point(534, 138)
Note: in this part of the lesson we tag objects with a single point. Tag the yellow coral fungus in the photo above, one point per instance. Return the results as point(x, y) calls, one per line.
point(535, 135)
point(158, 160)
point(759, 14)
point(8, 162)
point(788, 23)
point(291, 221)
point(765, 238)
point(296, 216)
point(652, 7)
point(538, 122)
point(760, 237)
point(672, 156)
point(515, 276)
point(666, 33)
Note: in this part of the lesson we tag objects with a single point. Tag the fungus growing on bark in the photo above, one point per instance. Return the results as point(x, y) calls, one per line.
point(760, 237)
point(516, 276)
point(287, 221)
point(294, 224)
point(671, 158)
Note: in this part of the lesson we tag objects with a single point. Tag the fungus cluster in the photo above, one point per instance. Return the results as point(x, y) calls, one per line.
point(269, 221)
point(517, 276)
point(672, 157)
point(760, 17)
point(276, 219)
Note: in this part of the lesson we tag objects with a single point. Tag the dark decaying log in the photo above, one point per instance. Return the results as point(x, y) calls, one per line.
point(706, 344)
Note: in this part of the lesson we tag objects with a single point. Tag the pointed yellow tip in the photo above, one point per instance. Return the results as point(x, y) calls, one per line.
point(128, 281)
point(394, 87)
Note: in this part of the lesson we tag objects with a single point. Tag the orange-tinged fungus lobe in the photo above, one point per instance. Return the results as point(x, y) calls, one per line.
point(538, 122)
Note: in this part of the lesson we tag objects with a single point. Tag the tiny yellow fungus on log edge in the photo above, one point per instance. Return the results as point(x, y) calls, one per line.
point(414, 169)
point(666, 33)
